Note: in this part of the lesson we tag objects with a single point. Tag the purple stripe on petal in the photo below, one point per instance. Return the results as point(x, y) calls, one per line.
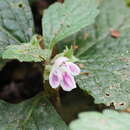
point(67, 82)
point(54, 79)
point(73, 68)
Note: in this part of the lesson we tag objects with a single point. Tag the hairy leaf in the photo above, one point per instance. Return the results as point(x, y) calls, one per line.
point(107, 60)
point(62, 20)
point(16, 23)
point(26, 52)
point(34, 114)
point(108, 120)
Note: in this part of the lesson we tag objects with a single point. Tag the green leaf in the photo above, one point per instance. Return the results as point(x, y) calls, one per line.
point(108, 120)
point(107, 61)
point(62, 20)
point(16, 23)
point(26, 52)
point(34, 114)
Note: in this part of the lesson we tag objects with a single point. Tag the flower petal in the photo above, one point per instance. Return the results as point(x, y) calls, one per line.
point(67, 82)
point(60, 61)
point(73, 68)
point(54, 78)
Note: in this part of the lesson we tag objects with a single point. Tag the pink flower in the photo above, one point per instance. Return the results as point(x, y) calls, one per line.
point(62, 74)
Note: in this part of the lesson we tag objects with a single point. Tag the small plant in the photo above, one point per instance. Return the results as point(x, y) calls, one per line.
point(92, 43)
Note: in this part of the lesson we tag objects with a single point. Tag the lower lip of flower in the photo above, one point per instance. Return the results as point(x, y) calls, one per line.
point(54, 79)
point(67, 82)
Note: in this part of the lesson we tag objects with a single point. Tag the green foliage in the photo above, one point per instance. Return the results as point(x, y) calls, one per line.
point(34, 114)
point(108, 120)
point(28, 52)
point(16, 23)
point(62, 20)
point(106, 58)
point(16, 30)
